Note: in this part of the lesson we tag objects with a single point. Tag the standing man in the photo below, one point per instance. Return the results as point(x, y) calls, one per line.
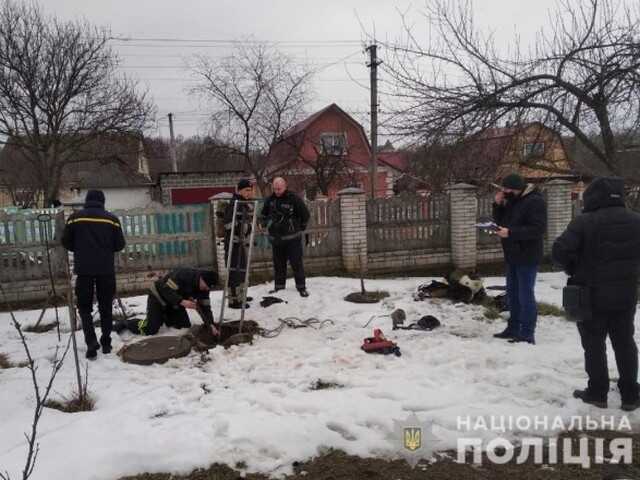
point(286, 216)
point(94, 235)
point(520, 212)
point(600, 251)
point(242, 231)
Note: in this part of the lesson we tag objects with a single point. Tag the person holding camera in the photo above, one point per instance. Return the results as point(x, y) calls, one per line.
point(600, 251)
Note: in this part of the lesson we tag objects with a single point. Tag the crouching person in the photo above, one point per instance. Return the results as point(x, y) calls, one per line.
point(171, 296)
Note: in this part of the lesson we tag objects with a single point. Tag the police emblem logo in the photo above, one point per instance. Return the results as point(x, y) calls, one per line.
point(412, 438)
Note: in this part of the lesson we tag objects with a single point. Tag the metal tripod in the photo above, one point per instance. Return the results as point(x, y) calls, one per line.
point(239, 241)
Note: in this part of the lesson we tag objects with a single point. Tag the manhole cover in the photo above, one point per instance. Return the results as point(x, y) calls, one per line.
point(155, 350)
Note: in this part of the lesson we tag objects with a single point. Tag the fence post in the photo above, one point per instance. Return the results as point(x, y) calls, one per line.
point(353, 215)
point(217, 241)
point(559, 210)
point(464, 235)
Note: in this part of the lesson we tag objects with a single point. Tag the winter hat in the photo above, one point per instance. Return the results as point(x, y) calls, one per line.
point(244, 183)
point(210, 277)
point(514, 182)
point(95, 196)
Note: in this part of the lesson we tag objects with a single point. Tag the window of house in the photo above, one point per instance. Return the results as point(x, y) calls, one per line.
point(333, 143)
point(533, 149)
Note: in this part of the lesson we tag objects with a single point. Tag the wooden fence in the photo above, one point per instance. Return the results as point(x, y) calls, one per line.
point(323, 232)
point(161, 238)
point(24, 237)
point(408, 223)
point(157, 239)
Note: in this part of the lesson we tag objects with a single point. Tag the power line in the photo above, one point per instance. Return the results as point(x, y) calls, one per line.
point(234, 41)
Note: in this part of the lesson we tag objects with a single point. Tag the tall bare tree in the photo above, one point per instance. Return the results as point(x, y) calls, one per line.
point(60, 90)
point(581, 77)
point(256, 94)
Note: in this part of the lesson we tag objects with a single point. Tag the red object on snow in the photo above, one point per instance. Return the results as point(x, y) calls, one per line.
point(380, 344)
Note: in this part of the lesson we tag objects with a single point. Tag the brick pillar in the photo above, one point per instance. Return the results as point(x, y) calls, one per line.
point(218, 241)
point(463, 211)
point(559, 210)
point(353, 213)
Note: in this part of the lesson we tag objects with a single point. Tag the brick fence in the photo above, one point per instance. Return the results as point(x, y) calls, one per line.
point(394, 235)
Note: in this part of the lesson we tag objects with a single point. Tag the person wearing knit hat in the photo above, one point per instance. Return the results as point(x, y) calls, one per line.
point(520, 212)
point(241, 232)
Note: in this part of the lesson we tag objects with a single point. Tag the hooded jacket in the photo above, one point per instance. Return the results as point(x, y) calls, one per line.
point(526, 218)
point(600, 249)
point(93, 235)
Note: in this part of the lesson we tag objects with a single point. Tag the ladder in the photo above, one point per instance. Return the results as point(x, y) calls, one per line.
point(238, 240)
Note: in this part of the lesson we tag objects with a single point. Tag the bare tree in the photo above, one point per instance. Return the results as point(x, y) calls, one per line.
point(256, 93)
point(60, 91)
point(41, 396)
point(582, 76)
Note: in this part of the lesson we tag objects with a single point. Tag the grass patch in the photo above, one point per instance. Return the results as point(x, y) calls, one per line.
point(546, 309)
point(4, 361)
point(73, 404)
point(491, 313)
point(322, 385)
point(42, 328)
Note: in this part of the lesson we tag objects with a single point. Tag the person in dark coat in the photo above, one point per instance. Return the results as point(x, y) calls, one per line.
point(171, 296)
point(521, 214)
point(242, 232)
point(600, 251)
point(285, 216)
point(94, 235)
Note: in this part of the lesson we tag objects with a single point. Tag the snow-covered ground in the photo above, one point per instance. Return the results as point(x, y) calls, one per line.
point(255, 404)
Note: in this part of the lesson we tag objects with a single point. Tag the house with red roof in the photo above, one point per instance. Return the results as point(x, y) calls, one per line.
point(329, 151)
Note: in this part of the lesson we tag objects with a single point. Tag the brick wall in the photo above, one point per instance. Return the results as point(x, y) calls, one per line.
point(170, 181)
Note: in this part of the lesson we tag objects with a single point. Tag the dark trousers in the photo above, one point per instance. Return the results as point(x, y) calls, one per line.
point(291, 251)
point(157, 315)
point(237, 271)
point(105, 289)
point(521, 280)
point(593, 333)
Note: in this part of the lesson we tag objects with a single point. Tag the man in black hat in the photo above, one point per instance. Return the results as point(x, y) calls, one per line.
point(520, 212)
point(600, 251)
point(285, 216)
point(241, 233)
point(171, 296)
point(94, 235)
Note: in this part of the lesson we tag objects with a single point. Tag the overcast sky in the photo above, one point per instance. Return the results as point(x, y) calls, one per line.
point(159, 64)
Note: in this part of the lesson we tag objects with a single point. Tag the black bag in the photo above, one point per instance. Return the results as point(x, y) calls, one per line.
point(576, 301)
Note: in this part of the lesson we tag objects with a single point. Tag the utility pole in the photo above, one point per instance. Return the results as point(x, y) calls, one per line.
point(373, 164)
point(172, 145)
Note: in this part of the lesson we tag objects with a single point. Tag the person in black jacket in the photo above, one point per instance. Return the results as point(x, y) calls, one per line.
point(521, 214)
point(171, 296)
point(600, 251)
point(94, 235)
point(242, 231)
point(286, 216)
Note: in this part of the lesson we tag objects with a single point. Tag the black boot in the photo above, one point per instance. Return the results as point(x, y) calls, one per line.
point(303, 292)
point(631, 407)
point(505, 334)
point(587, 397)
point(92, 351)
point(238, 305)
